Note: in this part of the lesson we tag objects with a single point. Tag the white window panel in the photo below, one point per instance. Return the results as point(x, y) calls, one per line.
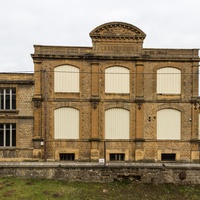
point(117, 80)
point(168, 124)
point(168, 81)
point(117, 124)
point(66, 123)
point(66, 79)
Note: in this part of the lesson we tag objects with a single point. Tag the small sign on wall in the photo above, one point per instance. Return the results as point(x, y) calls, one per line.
point(101, 160)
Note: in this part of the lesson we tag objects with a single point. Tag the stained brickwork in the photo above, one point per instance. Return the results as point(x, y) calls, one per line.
point(25, 105)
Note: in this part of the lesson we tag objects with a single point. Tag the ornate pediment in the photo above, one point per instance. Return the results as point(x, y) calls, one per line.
point(117, 38)
point(117, 30)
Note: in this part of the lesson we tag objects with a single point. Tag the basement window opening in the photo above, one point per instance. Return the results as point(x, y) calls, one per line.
point(67, 156)
point(168, 157)
point(117, 157)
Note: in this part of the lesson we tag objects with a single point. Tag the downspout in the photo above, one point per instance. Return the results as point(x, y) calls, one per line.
point(45, 116)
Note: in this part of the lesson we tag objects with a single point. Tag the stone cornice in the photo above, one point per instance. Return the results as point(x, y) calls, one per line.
point(25, 82)
point(87, 53)
point(16, 117)
point(143, 57)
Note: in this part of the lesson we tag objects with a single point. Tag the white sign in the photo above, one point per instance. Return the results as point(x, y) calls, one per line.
point(101, 160)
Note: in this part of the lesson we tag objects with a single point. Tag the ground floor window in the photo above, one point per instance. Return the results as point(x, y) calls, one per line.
point(7, 135)
point(168, 157)
point(67, 156)
point(117, 156)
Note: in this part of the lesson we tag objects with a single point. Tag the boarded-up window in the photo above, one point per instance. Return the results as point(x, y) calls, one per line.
point(168, 81)
point(117, 124)
point(66, 123)
point(117, 80)
point(66, 79)
point(168, 124)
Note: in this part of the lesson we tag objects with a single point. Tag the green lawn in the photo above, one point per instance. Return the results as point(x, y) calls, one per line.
point(23, 189)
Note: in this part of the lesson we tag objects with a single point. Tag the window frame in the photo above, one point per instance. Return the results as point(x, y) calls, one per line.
point(168, 157)
point(168, 123)
point(68, 73)
point(8, 99)
point(114, 88)
point(67, 156)
point(113, 132)
point(8, 135)
point(63, 113)
point(170, 85)
point(117, 157)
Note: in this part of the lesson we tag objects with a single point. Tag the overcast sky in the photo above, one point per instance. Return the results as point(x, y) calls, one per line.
point(23, 23)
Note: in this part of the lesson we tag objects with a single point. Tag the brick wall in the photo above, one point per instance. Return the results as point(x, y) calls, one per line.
point(22, 116)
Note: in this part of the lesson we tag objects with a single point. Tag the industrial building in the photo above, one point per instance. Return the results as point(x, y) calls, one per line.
point(114, 101)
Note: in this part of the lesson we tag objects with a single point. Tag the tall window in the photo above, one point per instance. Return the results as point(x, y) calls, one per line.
point(168, 81)
point(117, 80)
point(7, 135)
point(66, 123)
point(168, 124)
point(7, 98)
point(117, 124)
point(66, 79)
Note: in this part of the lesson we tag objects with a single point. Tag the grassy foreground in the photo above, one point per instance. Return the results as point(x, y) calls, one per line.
point(23, 189)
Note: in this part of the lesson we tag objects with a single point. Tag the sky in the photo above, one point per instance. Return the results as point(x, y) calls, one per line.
point(24, 23)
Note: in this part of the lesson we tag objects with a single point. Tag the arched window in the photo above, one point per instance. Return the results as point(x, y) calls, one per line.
point(66, 79)
point(66, 123)
point(117, 80)
point(168, 124)
point(168, 81)
point(117, 124)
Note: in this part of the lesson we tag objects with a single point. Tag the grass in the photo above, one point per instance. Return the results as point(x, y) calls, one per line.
point(36, 189)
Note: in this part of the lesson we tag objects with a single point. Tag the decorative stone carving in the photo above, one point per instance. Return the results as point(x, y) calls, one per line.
point(117, 38)
point(37, 102)
point(196, 104)
point(95, 102)
point(139, 103)
point(118, 30)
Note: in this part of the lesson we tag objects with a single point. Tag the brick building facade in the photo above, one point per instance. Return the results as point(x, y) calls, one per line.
point(115, 101)
point(16, 116)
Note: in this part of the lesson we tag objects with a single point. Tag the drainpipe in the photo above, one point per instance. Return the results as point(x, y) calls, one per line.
point(104, 153)
point(45, 116)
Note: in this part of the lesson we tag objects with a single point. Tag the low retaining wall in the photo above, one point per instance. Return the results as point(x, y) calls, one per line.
point(91, 172)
